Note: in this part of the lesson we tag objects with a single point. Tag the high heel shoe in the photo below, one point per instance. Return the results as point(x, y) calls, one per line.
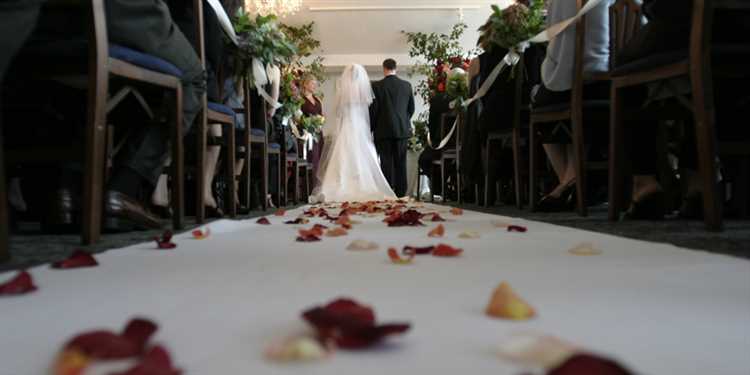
point(564, 202)
point(651, 207)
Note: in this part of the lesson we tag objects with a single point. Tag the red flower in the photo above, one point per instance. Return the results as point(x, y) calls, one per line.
point(349, 324)
point(165, 242)
point(516, 228)
point(263, 221)
point(443, 250)
point(107, 345)
point(79, 259)
point(21, 284)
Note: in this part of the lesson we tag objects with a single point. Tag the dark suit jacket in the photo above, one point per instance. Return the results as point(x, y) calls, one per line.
point(392, 109)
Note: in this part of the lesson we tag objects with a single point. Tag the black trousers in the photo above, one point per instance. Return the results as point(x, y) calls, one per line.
point(393, 162)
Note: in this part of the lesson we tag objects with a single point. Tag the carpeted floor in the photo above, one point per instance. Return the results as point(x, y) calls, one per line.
point(30, 247)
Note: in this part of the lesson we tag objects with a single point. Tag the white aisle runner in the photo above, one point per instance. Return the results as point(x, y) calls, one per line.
point(657, 308)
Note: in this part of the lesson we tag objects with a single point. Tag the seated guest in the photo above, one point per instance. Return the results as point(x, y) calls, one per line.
point(439, 104)
point(557, 81)
point(144, 25)
point(668, 30)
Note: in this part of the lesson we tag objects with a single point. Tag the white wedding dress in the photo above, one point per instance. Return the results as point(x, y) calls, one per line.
point(349, 167)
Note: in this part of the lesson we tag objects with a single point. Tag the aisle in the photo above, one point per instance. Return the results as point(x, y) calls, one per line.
point(219, 301)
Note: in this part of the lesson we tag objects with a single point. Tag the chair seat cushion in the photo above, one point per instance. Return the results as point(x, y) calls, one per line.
point(221, 108)
point(258, 132)
point(143, 60)
point(587, 104)
point(274, 146)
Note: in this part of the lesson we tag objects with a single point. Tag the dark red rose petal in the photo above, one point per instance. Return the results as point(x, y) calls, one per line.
point(20, 284)
point(107, 345)
point(589, 364)
point(156, 362)
point(308, 238)
point(443, 250)
point(297, 221)
point(437, 218)
point(418, 250)
point(366, 336)
point(339, 313)
point(165, 241)
point(263, 221)
point(77, 260)
point(517, 228)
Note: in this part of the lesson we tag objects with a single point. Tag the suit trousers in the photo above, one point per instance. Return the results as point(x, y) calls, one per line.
point(393, 163)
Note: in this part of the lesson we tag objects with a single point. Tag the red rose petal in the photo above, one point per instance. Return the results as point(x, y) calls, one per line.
point(308, 238)
point(589, 364)
point(517, 228)
point(443, 250)
point(107, 345)
point(201, 235)
point(418, 250)
point(20, 284)
point(438, 231)
point(165, 242)
point(437, 218)
point(397, 259)
point(263, 221)
point(363, 337)
point(156, 362)
point(280, 212)
point(79, 259)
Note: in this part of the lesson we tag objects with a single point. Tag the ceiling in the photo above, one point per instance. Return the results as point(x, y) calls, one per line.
point(365, 31)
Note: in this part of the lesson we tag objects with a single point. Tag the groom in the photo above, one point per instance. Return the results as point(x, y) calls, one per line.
point(390, 118)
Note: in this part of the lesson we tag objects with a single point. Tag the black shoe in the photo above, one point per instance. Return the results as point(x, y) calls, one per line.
point(649, 208)
point(63, 215)
point(565, 202)
point(123, 213)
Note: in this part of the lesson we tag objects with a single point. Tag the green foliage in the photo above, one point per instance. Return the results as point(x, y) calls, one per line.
point(458, 86)
point(302, 38)
point(510, 26)
point(418, 140)
point(260, 37)
point(436, 52)
point(313, 124)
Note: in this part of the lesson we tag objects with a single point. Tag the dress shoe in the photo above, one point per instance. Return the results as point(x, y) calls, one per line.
point(63, 213)
point(651, 207)
point(123, 213)
point(564, 202)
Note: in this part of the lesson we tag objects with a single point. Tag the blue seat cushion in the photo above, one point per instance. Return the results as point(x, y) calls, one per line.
point(143, 60)
point(258, 132)
point(274, 146)
point(221, 108)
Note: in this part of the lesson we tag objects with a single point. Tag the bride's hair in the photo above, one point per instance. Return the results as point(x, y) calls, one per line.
point(354, 87)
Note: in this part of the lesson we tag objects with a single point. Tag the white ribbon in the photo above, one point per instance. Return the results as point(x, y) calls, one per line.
point(512, 58)
point(261, 78)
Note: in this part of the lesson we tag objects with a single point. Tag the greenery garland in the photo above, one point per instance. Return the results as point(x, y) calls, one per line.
point(517, 23)
point(261, 38)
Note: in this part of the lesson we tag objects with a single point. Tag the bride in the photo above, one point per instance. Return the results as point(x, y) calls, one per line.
point(349, 168)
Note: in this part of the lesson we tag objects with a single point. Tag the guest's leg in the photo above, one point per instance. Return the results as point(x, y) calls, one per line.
point(209, 166)
point(402, 184)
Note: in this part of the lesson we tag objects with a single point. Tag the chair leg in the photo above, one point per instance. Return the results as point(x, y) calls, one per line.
point(743, 187)
point(264, 176)
point(229, 161)
point(487, 168)
point(580, 165)
point(532, 166)
point(4, 223)
point(178, 166)
point(706, 143)
point(93, 176)
point(444, 181)
point(615, 155)
point(517, 166)
point(248, 178)
point(200, 170)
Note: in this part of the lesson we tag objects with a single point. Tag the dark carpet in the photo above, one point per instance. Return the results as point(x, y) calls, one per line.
point(29, 247)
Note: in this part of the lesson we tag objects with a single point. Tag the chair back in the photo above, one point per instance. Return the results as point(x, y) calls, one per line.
point(625, 20)
point(576, 96)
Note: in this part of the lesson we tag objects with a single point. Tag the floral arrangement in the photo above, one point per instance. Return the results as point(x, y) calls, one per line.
point(418, 140)
point(440, 53)
point(290, 97)
point(313, 124)
point(261, 38)
point(518, 22)
point(306, 44)
point(457, 86)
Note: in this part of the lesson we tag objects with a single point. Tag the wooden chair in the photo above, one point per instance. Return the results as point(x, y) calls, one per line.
point(450, 154)
point(4, 241)
point(695, 64)
point(504, 136)
point(568, 113)
point(212, 113)
point(300, 174)
point(109, 62)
